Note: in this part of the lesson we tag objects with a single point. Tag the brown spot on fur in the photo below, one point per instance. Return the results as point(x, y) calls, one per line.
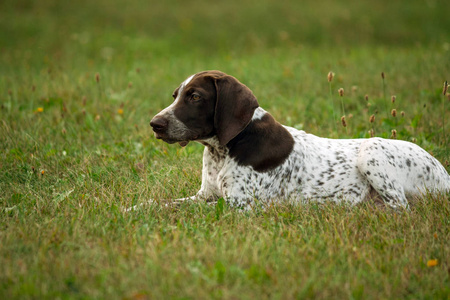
point(264, 144)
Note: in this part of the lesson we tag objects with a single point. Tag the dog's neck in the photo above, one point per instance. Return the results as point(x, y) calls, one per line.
point(214, 147)
point(264, 144)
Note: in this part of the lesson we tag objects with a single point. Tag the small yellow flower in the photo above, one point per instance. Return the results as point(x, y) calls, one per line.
point(432, 263)
point(40, 109)
point(120, 111)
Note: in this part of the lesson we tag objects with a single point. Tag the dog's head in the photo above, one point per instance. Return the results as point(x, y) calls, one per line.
point(207, 104)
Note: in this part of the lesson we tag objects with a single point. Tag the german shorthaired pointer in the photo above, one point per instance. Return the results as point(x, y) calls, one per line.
point(251, 158)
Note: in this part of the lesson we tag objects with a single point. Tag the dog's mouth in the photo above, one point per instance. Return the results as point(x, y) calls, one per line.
point(181, 143)
point(171, 141)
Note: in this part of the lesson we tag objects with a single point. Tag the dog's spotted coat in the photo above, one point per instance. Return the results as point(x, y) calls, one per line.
point(250, 158)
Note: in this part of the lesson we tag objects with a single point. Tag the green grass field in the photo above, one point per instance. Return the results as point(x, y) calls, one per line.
point(79, 83)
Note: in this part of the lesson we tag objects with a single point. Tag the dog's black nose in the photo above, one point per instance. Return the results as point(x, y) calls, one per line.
point(159, 124)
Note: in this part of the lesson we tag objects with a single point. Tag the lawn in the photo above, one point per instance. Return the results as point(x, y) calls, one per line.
point(79, 83)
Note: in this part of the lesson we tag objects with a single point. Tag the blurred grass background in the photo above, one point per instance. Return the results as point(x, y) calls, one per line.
point(57, 27)
point(74, 150)
point(155, 45)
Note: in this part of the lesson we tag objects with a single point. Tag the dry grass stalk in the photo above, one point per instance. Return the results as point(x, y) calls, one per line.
point(393, 134)
point(330, 76)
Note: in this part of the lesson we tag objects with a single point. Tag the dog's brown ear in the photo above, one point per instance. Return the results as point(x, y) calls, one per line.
point(235, 104)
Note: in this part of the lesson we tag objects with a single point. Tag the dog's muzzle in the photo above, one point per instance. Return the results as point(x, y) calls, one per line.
point(159, 125)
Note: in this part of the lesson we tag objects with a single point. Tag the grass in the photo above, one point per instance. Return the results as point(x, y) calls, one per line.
point(285, 252)
point(75, 150)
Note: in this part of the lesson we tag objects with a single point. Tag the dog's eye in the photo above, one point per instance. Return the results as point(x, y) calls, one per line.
point(175, 93)
point(196, 97)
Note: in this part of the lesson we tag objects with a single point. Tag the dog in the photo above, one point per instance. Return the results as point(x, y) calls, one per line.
point(251, 158)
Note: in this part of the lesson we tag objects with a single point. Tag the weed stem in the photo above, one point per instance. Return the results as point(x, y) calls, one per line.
point(444, 138)
point(384, 94)
point(330, 77)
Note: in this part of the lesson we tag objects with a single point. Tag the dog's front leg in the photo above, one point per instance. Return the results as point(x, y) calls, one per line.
point(200, 196)
point(167, 203)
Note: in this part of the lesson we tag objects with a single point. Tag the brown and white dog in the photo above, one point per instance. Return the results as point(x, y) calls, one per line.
point(251, 158)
